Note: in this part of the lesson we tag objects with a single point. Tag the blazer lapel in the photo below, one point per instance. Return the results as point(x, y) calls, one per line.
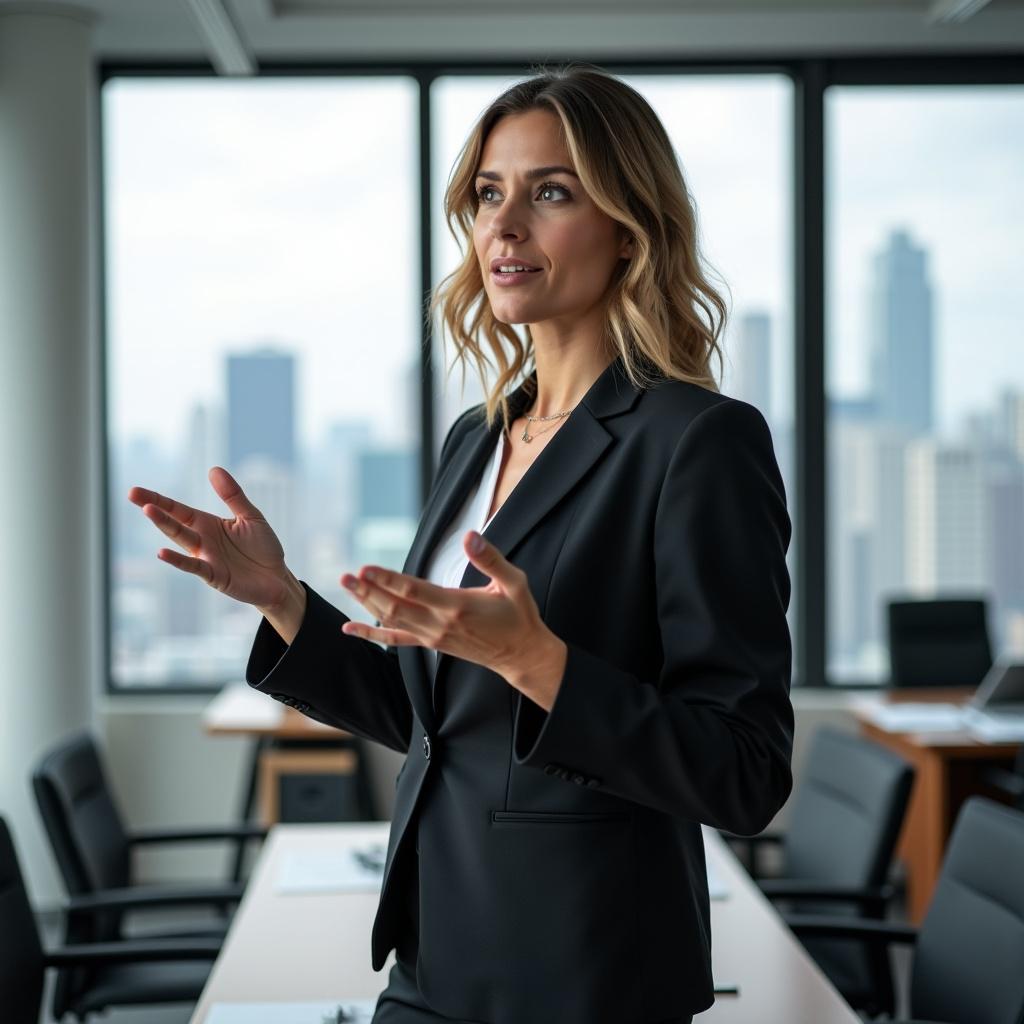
point(561, 464)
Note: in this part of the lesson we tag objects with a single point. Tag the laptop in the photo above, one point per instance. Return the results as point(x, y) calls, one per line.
point(1002, 689)
point(996, 711)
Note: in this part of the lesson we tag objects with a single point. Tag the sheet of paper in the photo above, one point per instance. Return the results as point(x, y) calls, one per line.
point(360, 869)
point(352, 1012)
point(916, 717)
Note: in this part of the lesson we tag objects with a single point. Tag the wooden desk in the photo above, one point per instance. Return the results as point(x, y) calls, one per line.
point(240, 710)
point(317, 947)
point(949, 768)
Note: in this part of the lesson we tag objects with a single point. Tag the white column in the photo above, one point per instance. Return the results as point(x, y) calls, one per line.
point(50, 589)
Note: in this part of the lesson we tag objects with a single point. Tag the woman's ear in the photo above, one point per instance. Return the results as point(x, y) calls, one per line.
point(626, 250)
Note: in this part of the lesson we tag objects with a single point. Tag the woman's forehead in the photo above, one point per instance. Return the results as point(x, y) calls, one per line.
point(520, 141)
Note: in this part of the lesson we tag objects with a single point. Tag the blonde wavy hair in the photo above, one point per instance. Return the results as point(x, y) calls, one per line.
point(664, 318)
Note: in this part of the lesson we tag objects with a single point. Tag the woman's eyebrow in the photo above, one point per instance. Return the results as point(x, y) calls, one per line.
point(537, 172)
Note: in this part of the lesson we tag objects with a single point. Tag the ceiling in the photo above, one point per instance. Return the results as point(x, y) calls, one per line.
point(236, 36)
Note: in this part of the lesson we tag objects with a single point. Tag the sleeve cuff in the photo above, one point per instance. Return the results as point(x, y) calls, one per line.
point(270, 653)
point(550, 739)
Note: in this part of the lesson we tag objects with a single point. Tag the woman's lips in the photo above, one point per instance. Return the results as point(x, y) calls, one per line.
point(516, 277)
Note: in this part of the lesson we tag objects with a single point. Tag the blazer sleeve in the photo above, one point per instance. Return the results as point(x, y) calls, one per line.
point(710, 739)
point(349, 682)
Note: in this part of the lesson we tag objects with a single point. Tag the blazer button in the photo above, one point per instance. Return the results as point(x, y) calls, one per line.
point(426, 746)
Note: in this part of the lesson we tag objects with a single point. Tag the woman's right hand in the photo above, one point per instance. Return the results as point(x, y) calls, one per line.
point(240, 557)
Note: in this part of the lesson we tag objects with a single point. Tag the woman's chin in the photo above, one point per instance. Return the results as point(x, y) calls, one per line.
point(507, 313)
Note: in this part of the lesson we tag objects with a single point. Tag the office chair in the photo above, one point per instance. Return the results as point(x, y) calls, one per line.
point(969, 950)
point(938, 643)
point(93, 848)
point(845, 819)
point(108, 974)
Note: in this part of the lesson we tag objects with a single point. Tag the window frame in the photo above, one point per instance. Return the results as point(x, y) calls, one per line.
point(811, 76)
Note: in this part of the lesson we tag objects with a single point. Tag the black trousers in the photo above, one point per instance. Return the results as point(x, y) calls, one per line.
point(401, 1002)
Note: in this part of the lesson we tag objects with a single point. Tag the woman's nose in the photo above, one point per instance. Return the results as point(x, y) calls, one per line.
point(508, 222)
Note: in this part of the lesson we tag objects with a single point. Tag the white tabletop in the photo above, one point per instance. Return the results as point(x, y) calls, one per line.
point(316, 946)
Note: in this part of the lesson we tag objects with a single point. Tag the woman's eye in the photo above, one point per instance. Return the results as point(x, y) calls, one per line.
point(552, 186)
point(548, 187)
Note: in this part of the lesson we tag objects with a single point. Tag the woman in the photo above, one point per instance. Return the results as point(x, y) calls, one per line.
point(611, 668)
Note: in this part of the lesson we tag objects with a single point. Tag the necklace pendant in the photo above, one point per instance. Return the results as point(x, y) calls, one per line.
point(526, 436)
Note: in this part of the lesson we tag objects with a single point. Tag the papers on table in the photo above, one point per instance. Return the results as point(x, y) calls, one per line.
point(915, 717)
point(334, 1012)
point(989, 726)
point(359, 869)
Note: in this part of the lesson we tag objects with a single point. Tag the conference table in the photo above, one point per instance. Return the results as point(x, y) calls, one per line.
point(289, 947)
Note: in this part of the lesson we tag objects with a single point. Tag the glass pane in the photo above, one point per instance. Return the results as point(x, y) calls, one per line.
point(733, 137)
point(925, 378)
point(262, 314)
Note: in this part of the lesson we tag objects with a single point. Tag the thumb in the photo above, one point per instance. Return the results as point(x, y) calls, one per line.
point(486, 557)
point(231, 494)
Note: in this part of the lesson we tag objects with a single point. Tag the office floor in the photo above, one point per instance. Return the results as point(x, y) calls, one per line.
point(180, 1013)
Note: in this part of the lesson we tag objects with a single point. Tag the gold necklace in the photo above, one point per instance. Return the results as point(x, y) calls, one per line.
point(527, 436)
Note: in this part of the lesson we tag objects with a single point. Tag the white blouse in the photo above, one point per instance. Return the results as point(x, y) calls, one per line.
point(448, 562)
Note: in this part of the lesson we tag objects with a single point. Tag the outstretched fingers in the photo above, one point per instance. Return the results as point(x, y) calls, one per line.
point(182, 535)
point(196, 566)
point(183, 513)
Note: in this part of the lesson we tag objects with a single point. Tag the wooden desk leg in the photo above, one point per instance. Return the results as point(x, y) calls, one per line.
point(925, 831)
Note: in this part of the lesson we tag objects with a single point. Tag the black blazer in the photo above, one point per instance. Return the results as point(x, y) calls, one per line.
point(562, 875)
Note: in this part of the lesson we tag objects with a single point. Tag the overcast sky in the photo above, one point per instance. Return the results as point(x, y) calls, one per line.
point(284, 211)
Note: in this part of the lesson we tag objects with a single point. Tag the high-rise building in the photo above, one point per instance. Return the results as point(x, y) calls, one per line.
point(902, 341)
point(261, 407)
point(750, 363)
point(946, 518)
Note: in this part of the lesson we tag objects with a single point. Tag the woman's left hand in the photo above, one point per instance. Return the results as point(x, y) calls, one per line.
point(497, 625)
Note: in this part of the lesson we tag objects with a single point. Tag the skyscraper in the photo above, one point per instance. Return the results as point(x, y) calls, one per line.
point(751, 362)
point(902, 341)
point(261, 407)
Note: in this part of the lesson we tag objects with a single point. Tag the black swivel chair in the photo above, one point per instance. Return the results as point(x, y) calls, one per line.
point(108, 974)
point(968, 965)
point(93, 848)
point(845, 818)
point(938, 643)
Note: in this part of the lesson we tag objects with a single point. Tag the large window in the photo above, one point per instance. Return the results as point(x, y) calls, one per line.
point(925, 359)
point(266, 262)
point(262, 314)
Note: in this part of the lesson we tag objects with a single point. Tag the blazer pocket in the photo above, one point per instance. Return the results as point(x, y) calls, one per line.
point(556, 817)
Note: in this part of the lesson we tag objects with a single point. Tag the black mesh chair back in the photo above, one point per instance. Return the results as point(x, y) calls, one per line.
point(21, 954)
point(84, 825)
point(845, 819)
point(938, 643)
point(969, 959)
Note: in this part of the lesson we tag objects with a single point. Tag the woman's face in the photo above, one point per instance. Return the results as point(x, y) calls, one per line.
point(533, 212)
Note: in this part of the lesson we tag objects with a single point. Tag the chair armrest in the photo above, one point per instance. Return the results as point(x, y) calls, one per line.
point(235, 833)
point(144, 897)
point(870, 898)
point(98, 953)
point(872, 932)
point(1010, 782)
